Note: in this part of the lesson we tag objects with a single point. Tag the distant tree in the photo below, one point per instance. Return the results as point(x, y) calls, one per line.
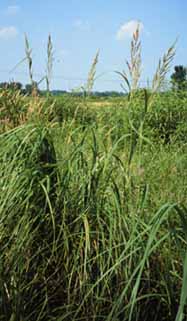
point(29, 88)
point(11, 85)
point(179, 78)
point(15, 85)
point(4, 85)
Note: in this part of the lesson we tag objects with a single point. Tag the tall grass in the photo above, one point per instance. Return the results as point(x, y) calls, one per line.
point(28, 53)
point(74, 236)
point(86, 233)
point(92, 75)
point(50, 59)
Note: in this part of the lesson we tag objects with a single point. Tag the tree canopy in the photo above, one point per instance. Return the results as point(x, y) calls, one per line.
point(179, 78)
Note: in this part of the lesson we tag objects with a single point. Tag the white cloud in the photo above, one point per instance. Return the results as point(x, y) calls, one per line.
point(127, 29)
point(80, 24)
point(12, 10)
point(8, 32)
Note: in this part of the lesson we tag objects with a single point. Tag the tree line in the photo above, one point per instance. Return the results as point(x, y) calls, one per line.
point(178, 83)
point(14, 85)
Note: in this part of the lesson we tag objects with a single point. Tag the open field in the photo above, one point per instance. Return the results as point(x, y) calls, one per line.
point(93, 211)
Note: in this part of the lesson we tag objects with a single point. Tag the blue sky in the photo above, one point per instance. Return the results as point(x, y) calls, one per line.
point(80, 27)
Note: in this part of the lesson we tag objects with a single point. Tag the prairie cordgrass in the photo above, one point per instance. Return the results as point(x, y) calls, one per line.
point(132, 77)
point(78, 237)
point(93, 212)
point(28, 53)
point(163, 68)
point(92, 74)
point(50, 59)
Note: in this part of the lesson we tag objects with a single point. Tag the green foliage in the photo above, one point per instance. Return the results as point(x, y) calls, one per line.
point(68, 108)
point(11, 85)
point(13, 108)
point(30, 88)
point(167, 118)
point(93, 203)
point(179, 78)
point(81, 235)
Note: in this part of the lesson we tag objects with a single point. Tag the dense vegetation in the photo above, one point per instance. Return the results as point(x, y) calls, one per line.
point(93, 213)
point(91, 207)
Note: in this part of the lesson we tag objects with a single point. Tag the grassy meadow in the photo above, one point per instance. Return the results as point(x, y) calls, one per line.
point(93, 211)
